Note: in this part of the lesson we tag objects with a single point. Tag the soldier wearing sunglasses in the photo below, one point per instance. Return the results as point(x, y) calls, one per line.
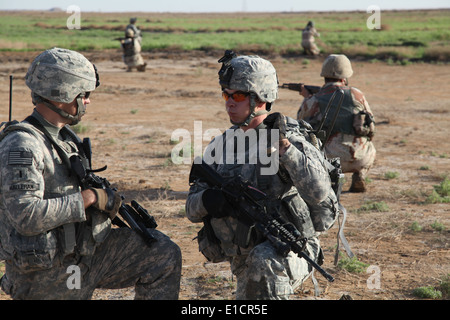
point(300, 190)
point(55, 237)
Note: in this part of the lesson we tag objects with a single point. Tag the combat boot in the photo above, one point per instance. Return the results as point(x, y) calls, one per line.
point(358, 183)
point(141, 68)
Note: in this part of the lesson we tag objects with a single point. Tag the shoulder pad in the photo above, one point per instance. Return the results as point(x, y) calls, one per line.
point(298, 125)
point(16, 126)
point(302, 125)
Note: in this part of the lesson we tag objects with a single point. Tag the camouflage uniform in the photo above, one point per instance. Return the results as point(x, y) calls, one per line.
point(351, 137)
point(260, 271)
point(131, 46)
point(137, 33)
point(44, 228)
point(308, 41)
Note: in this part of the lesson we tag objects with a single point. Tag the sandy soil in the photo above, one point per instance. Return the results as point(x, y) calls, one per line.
point(133, 115)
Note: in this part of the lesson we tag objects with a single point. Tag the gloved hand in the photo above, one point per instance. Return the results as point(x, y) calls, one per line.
point(216, 204)
point(278, 121)
point(108, 201)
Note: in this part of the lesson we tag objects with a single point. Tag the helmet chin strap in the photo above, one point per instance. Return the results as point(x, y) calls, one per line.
point(253, 114)
point(81, 108)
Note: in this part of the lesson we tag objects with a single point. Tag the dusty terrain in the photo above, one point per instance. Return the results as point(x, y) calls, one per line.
point(132, 116)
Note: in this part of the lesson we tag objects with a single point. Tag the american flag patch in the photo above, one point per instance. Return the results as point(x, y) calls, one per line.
point(20, 158)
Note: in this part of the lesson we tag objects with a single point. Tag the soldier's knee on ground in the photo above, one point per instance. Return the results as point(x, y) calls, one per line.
point(162, 281)
point(267, 276)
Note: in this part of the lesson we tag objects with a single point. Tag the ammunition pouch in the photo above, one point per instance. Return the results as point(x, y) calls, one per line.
point(209, 244)
point(34, 253)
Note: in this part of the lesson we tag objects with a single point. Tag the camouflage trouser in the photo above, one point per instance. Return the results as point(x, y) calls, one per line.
point(310, 48)
point(356, 154)
point(134, 60)
point(122, 260)
point(264, 275)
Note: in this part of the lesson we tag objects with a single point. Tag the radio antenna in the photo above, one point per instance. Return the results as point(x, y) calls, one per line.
point(10, 96)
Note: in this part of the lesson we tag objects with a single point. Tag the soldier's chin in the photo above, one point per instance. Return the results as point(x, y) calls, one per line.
point(234, 119)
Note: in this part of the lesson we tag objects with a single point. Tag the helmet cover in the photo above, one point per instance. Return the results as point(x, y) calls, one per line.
point(250, 74)
point(336, 66)
point(61, 75)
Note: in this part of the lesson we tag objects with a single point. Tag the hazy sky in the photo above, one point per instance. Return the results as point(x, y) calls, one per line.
point(221, 6)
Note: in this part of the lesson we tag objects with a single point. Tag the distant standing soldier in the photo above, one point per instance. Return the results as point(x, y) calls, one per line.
point(136, 30)
point(352, 134)
point(308, 40)
point(131, 46)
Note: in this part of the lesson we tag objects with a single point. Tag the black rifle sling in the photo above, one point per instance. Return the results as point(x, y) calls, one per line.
point(69, 229)
point(35, 122)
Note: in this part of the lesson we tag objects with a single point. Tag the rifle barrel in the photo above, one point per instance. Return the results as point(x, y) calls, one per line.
point(298, 87)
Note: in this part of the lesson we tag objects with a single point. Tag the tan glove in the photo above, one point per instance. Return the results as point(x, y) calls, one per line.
point(108, 201)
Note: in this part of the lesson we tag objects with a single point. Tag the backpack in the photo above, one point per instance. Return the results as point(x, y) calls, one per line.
point(322, 219)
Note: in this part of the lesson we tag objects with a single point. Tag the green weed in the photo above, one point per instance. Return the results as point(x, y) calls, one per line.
point(440, 193)
point(415, 227)
point(406, 35)
point(437, 226)
point(427, 292)
point(80, 128)
point(391, 175)
point(352, 265)
point(373, 206)
point(445, 286)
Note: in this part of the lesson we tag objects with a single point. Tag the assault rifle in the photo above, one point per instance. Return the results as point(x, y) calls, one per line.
point(135, 216)
point(250, 204)
point(298, 87)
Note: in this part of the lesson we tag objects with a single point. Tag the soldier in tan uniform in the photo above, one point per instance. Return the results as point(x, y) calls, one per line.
point(308, 41)
point(56, 239)
point(352, 134)
point(131, 46)
point(249, 87)
point(136, 31)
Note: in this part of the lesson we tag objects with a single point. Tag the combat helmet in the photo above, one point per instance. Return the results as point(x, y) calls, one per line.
point(336, 66)
point(61, 75)
point(249, 74)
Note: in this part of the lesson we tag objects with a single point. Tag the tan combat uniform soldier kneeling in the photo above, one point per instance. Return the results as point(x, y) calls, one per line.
point(352, 134)
point(308, 41)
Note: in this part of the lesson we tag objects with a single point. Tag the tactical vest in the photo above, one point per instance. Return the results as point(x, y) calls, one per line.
point(344, 120)
point(87, 237)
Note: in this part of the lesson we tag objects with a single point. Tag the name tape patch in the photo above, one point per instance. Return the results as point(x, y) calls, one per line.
point(24, 187)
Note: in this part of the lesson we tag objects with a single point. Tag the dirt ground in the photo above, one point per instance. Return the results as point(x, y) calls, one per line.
point(132, 116)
